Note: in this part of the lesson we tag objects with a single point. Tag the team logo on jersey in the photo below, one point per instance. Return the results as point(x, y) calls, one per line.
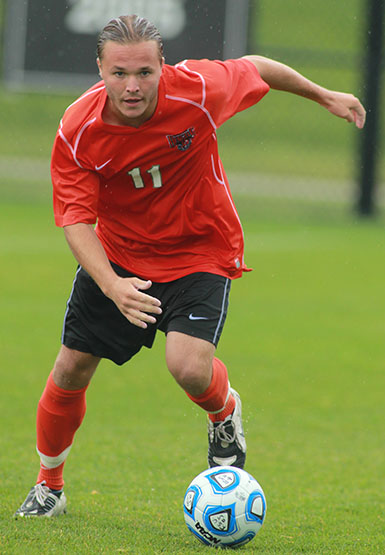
point(183, 140)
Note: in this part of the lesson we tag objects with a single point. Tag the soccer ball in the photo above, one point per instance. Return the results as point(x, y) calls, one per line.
point(224, 506)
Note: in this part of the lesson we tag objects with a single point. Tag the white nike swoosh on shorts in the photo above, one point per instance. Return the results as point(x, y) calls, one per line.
point(192, 317)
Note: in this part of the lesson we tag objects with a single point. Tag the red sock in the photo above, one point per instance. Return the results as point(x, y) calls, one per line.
point(59, 414)
point(217, 399)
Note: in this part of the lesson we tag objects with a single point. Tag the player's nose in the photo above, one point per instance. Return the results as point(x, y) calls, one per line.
point(132, 85)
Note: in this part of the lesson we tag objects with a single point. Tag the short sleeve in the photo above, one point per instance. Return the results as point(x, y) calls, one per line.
point(75, 189)
point(228, 87)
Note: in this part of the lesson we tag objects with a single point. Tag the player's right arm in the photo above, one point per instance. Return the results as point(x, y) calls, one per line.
point(126, 293)
point(75, 199)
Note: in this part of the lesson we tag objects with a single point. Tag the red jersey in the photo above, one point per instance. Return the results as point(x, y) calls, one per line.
point(158, 192)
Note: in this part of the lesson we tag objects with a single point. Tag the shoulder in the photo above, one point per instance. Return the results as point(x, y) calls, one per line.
point(215, 76)
point(191, 71)
point(218, 88)
point(83, 111)
point(212, 69)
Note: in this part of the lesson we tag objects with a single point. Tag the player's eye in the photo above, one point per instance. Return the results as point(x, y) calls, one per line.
point(118, 73)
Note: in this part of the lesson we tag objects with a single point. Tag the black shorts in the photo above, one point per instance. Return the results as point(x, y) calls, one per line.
point(195, 305)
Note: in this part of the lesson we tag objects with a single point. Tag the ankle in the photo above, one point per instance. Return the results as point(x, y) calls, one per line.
point(225, 412)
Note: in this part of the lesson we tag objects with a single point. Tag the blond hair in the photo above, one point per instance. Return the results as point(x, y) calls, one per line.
point(126, 29)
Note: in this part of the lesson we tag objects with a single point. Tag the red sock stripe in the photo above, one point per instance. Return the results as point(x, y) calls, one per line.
point(53, 477)
point(228, 409)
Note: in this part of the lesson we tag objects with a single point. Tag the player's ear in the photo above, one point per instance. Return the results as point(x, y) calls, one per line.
point(100, 67)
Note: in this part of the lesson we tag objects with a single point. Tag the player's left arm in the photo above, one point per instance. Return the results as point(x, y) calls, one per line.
point(282, 77)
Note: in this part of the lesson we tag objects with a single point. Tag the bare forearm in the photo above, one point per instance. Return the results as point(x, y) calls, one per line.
point(283, 78)
point(89, 252)
point(126, 293)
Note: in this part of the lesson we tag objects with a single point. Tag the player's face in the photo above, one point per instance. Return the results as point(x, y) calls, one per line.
point(131, 74)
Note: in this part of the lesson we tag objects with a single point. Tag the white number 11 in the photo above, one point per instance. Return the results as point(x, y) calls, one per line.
point(155, 175)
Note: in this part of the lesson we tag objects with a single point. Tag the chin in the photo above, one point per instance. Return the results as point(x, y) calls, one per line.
point(133, 113)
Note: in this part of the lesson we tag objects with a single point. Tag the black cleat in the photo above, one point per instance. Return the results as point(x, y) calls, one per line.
point(227, 444)
point(41, 501)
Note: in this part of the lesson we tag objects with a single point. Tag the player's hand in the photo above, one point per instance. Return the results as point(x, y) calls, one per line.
point(136, 306)
point(345, 106)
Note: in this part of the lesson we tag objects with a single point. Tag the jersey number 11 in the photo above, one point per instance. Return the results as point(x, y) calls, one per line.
point(155, 175)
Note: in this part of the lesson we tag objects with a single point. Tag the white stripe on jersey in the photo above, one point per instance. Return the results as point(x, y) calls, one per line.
point(79, 135)
point(222, 182)
point(188, 101)
point(74, 149)
point(85, 95)
point(183, 65)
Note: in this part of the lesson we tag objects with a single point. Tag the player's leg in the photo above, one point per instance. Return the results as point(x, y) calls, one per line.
point(190, 360)
point(60, 412)
point(93, 328)
point(204, 377)
point(193, 326)
point(74, 369)
point(62, 405)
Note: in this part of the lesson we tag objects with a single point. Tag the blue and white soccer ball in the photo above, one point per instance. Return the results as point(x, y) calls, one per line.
point(224, 506)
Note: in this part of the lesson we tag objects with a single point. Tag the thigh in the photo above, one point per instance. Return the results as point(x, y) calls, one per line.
point(198, 307)
point(74, 369)
point(190, 361)
point(93, 324)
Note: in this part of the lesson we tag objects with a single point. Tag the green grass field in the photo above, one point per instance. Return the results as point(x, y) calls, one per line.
point(304, 346)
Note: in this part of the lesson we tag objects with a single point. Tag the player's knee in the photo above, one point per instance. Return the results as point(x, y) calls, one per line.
point(192, 374)
point(73, 369)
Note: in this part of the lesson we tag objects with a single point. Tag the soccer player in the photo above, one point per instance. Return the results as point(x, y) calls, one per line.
point(137, 155)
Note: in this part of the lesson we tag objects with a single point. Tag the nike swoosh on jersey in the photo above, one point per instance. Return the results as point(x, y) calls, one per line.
point(97, 168)
point(192, 317)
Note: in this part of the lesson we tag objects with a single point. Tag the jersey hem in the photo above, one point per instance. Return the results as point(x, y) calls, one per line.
point(164, 277)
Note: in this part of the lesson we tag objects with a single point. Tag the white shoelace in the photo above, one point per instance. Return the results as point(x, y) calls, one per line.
point(41, 492)
point(223, 435)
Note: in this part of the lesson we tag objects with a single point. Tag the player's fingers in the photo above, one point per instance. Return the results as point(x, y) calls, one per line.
point(140, 319)
point(140, 284)
point(348, 115)
point(348, 107)
point(137, 322)
point(136, 306)
point(359, 115)
point(148, 304)
point(356, 112)
point(356, 116)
